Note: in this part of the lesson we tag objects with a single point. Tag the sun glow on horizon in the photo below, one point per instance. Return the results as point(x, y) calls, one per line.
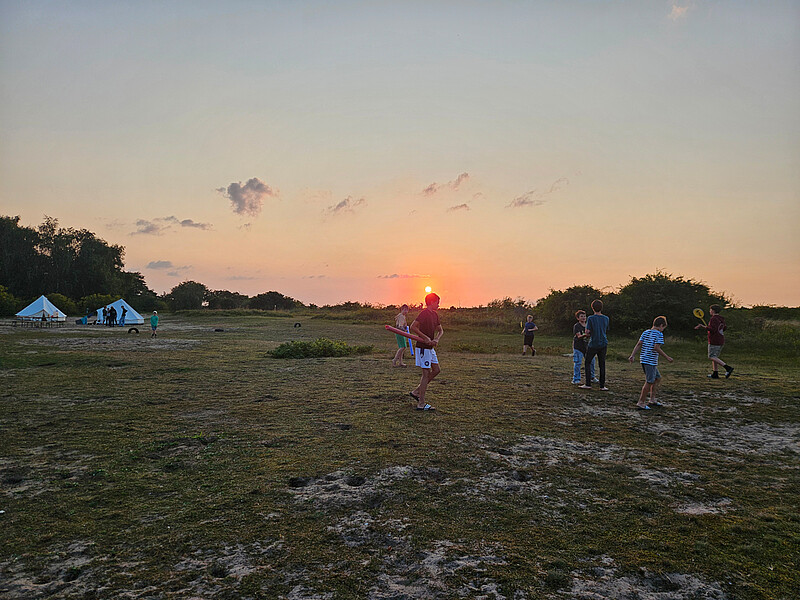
point(428, 289)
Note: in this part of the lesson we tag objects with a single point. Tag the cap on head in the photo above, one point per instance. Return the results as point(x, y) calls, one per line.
point(155, 312)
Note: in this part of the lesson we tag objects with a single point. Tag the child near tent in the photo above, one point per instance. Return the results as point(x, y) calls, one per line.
point(154, 323)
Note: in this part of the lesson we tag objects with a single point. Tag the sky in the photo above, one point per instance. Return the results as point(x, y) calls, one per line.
point(360, 151)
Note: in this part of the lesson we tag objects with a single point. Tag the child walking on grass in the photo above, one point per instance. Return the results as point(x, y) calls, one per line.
point(400, 322)
point(650, 343)
point(716, 339)
point(428, 327)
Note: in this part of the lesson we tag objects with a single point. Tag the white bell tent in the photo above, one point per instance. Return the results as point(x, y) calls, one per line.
point(131, 316)
point(41, 307)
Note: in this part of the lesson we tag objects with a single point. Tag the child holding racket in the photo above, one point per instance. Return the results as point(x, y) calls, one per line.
point(716, 339)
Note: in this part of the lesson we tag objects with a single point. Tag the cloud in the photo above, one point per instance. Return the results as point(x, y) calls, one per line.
point(241, 278)
point(535, 197)
point(190, 223)
point(164, 265)
point(396, 276)
point(459, 207)
point(159, 264)
point(248, 199)
point(678, 12)
point(159, 225)
point(452, 185)
point(348, 205)
point(314, 276)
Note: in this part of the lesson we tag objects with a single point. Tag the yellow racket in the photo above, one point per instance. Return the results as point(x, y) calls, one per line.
point(698, 312)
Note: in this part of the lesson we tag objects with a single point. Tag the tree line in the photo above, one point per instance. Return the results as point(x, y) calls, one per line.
point(80, 272)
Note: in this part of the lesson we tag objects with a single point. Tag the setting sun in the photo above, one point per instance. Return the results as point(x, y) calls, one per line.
point(428, 290)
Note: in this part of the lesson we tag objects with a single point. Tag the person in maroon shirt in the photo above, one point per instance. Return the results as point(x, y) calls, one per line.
point(716, 339)
point(428, 327)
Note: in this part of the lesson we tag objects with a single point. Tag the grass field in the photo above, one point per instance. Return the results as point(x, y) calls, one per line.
point(195, 465)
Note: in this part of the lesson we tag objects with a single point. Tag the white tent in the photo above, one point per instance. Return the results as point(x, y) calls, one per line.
point(41, 307)
point(131, 317)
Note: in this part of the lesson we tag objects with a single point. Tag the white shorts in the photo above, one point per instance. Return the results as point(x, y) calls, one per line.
point(425, 358)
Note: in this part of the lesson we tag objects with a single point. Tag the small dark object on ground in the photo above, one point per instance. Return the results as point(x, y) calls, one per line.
point(218, 329)
point(133, 330)
point(298, 325)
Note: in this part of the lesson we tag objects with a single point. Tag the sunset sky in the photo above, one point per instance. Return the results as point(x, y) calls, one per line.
point(360, 151)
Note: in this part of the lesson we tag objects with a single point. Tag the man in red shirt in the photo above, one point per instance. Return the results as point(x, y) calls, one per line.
point(716, 339)
point(428, 327)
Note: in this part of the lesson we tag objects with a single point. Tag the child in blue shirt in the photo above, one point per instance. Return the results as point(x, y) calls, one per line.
point(650, 343)
point(596, 327)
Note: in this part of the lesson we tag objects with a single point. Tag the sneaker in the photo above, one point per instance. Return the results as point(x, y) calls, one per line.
point(585, 387)
point(728, 371)
point(595, 380)
point(714, 375)
point(576, 382)
point(603, 389)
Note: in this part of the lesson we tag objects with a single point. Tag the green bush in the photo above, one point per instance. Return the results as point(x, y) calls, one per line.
point(64, 304)
point(317, 349)
point(9, 305)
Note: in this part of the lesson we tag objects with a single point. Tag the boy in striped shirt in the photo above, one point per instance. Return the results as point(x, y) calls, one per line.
point(650, 343)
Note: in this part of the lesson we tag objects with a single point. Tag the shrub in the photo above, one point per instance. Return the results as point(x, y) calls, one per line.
point(319, 348)
point(64, 304)
point(9, 305)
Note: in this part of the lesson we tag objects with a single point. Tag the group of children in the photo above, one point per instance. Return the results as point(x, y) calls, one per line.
point(590, 342)
point(649, 347)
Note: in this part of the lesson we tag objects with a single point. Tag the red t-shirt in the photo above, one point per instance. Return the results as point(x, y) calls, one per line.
point(716, 327)
point(427, 321)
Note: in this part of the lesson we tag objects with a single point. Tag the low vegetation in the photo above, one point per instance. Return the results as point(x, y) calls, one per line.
point(197, 464)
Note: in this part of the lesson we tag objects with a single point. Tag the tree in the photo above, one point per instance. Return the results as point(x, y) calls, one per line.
point(9, 305)
point(643, 299)
point(273, 301)
point(558, 307)
point(221, 299)
point(188, 295)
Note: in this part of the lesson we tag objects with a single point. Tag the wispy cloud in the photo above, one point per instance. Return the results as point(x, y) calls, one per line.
point(248, 199)
point(348, 205)
point(452, 185)
point(535, 197)
point(458, 208)
point(159, 225)
point(678, 12)
point(314, 276)
point(166, 265)
point(397, 276)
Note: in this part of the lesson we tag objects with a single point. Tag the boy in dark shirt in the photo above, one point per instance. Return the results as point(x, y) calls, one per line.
point(428, 327)
point(596, 327)
point(579, 347)
point(716, 339)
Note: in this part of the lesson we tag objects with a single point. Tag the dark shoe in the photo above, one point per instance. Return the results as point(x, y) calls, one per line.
point(714, 375)
point(426, 407)
point(728, 371)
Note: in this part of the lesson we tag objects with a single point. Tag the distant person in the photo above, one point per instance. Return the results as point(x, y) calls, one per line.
point(105, 315)
point(154, 323)
point(112, 317)
point(650, 343)
point(580, 347)
point(596, 327)
point(401, 323)
point(122, 317)
point(716, 339)
point(428, 327)
point(527, 336)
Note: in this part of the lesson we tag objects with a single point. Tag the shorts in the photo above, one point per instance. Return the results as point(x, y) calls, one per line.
point(528, 340)
point(426, 358)
point(651, 373)
point(714, 351)
point(401, 340)
point(153, 327)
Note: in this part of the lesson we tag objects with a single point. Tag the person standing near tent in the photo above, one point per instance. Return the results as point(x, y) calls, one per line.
point(112, 316)
point(154, 323)
point(122, 317)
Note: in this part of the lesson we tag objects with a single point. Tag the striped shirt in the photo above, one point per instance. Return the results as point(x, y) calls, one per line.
point(649, 339)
